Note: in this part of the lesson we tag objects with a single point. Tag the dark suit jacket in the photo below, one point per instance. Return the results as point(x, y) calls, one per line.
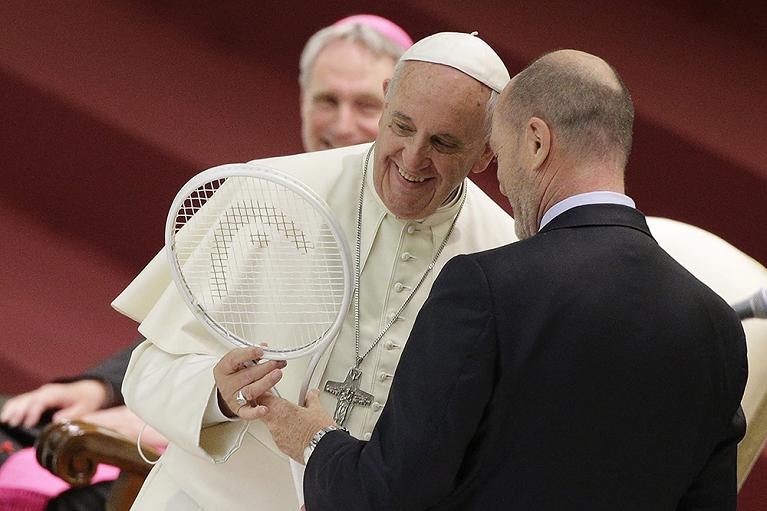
point(580, 369)
point(111, 372)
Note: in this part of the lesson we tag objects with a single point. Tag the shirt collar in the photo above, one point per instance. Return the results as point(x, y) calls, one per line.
point(582, 199)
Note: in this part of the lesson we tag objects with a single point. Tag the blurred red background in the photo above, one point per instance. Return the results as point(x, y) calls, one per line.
point(108, 107)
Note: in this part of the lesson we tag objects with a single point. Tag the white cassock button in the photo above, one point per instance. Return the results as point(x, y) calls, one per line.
point(390, 345)
point(391, 317)
point(367, 436)
point(398, 287)
point(376, 406)
point(382, 376)
point(411, 229)
point(406, 256)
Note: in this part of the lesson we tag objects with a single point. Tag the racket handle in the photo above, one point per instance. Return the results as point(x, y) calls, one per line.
point(297, 471)
point(309, 373)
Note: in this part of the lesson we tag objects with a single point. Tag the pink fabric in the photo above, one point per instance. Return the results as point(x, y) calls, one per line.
point(14, 499)
point(386, 28)
point(26, 486)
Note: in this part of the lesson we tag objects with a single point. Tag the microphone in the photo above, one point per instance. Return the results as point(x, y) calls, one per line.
point(753, 307)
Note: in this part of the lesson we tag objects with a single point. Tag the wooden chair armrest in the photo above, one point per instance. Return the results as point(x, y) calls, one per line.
point(73, 449)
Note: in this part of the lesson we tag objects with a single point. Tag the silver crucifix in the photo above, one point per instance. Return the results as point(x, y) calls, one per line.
point(349, 394)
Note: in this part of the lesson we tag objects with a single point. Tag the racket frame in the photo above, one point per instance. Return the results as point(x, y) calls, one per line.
point(278, 177)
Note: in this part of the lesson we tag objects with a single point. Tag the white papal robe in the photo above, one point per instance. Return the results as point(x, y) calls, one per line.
point(169, 382)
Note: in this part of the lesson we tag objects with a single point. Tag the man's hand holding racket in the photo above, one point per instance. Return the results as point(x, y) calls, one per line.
point(293, 426)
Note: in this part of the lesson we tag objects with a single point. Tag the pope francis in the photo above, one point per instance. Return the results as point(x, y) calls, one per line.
point(417, 210)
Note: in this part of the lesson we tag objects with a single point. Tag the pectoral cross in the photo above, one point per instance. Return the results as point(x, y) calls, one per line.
point(349, 394)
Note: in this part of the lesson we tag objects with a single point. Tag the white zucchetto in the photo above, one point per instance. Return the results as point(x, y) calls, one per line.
point(466, 53)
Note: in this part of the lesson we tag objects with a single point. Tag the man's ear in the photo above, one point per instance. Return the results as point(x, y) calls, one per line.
point(483, 161)
point(383, 119)
point(537, 142)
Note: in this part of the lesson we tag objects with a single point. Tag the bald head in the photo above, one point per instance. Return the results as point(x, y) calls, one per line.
point(562, 127)
point(583, 101)
point(587, 65)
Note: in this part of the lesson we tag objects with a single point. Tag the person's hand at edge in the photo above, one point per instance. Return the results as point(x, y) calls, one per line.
point(72, 399)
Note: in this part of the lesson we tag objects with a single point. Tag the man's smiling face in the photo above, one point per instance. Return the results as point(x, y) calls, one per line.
point(342, 102)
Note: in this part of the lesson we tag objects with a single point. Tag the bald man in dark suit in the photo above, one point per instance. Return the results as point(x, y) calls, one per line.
point(580, 368)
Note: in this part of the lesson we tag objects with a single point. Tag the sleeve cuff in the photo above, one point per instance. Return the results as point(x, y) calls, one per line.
point(213, 414)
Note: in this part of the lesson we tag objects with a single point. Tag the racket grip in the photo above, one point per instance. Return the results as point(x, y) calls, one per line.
point(297, 472)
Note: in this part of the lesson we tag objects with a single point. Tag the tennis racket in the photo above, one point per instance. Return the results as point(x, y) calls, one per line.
point(258, 257)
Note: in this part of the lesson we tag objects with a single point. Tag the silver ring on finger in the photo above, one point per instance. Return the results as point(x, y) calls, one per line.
point(240, 399)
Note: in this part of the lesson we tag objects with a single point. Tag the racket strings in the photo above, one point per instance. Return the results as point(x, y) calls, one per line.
point(195, 202)
point(261, 262)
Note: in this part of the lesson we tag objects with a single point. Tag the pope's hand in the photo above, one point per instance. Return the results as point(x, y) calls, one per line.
point(293, 426)
point(238, 372)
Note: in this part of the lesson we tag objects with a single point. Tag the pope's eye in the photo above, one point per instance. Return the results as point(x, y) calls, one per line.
point(401, 129)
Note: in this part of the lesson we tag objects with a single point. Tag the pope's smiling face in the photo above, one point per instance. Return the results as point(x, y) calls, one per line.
point(431, 135)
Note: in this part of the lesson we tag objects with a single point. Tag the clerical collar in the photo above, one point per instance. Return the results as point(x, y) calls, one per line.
point(582, 199)
point(444, 213)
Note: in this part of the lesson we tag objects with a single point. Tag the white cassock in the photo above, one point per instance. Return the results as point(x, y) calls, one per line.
point(169, 383)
